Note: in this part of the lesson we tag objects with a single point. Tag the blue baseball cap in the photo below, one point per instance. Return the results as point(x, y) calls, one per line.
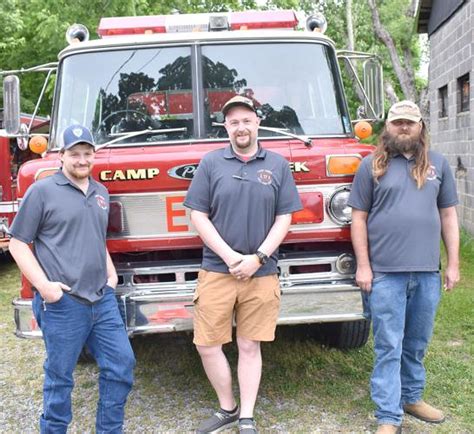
point(75, 134)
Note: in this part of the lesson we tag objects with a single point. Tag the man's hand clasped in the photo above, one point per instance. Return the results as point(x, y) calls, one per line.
point(245, 267)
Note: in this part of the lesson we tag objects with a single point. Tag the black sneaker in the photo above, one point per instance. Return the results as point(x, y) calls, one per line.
point(218, 421)
point(247, 426)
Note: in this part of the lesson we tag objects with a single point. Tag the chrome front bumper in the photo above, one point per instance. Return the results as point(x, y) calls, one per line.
point(167, 307)
point(4, 237)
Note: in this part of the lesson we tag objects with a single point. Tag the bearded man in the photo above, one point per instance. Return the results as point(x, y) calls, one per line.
point(403, 198)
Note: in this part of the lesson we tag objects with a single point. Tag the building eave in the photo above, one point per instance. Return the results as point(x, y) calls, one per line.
point(423, 15)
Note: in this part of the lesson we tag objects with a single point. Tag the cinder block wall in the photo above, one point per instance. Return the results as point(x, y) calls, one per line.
point(452, 56)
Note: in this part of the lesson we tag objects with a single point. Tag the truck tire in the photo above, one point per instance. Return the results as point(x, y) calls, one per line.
point(346, 335)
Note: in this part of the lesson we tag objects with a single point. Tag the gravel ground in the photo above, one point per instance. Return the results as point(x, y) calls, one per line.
point(171, 393)
point(165, 397)
point(153, 406)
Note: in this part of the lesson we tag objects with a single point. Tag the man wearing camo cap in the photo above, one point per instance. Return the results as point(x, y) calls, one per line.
point(403, 198)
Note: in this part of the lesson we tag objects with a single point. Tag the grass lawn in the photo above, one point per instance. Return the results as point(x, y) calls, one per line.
point(305, 386)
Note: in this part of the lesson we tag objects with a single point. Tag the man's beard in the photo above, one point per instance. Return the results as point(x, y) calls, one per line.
point(79, 174)
point(242, 145)
point(397, 145)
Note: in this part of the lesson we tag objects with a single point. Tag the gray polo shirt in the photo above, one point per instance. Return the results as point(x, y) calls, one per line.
point(242, 199)
point(403, 224)
point(68, 229)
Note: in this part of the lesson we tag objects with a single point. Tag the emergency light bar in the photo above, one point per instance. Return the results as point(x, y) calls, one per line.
point(263, 20)
point(246, 20)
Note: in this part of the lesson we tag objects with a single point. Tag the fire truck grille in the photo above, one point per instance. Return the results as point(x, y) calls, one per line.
point(180, 276)
point(156, 215)
point(161, 215)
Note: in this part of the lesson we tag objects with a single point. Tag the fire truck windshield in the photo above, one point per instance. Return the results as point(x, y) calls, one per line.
point(177, 93)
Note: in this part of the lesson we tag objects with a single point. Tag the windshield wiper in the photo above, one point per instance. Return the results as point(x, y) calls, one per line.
point(123, 136)
point(306, 140)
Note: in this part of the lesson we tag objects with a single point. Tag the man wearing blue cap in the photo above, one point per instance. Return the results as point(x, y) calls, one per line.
point(65, 216)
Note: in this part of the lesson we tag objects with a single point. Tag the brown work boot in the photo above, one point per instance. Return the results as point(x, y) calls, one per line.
point(389, 429)
point(425, 412)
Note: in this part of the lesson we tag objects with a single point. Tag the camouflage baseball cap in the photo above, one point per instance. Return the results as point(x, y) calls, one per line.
point(238, 100)
point(404, 110)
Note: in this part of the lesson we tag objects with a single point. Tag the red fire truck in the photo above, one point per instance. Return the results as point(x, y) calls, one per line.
point(12, 156)
point(151, 89)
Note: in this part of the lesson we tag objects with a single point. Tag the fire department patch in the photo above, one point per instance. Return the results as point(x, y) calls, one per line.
point(264, 176)
point(431, 175)
point(77, 132)
point(101, 201)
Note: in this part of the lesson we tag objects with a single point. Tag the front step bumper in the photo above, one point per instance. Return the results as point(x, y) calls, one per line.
point(167, 306)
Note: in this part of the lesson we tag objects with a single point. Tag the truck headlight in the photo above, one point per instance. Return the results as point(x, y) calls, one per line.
point(346, 264)
point(337, 207)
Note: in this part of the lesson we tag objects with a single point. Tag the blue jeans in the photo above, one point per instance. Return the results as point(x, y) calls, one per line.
point(402, 307)
point(67, 327)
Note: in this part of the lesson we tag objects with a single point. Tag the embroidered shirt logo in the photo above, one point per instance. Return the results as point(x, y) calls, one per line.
point(264, 176)
point(431, 175)
point(101, 201)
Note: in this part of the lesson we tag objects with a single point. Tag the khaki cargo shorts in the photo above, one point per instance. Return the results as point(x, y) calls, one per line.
point(219, 297)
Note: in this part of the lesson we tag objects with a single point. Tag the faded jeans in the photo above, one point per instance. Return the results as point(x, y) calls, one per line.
point(402, 307)
point(67, 326)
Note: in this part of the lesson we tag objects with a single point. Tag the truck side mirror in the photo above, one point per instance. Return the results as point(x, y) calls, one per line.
point(373, 85)
point(365, 74)
point(11, 101)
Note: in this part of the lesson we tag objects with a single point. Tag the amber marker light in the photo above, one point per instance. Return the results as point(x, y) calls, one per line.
point(38, 144)
point(363, 130)
point(342, 165)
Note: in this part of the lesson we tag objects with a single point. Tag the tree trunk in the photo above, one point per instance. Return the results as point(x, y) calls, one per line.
point(425, 106)
point(390, 92)
point(350, 29)
point(404, 72)
point(351, 47)
point(411, 12)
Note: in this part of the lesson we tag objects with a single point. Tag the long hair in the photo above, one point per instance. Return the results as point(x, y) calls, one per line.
point(385, 151)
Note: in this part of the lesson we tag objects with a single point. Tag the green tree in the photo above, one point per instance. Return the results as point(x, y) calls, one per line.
point(35, 34)
point(33, 31)
point(371, 19)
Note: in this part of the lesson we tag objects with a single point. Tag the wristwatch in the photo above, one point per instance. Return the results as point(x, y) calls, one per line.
point(262, 257)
